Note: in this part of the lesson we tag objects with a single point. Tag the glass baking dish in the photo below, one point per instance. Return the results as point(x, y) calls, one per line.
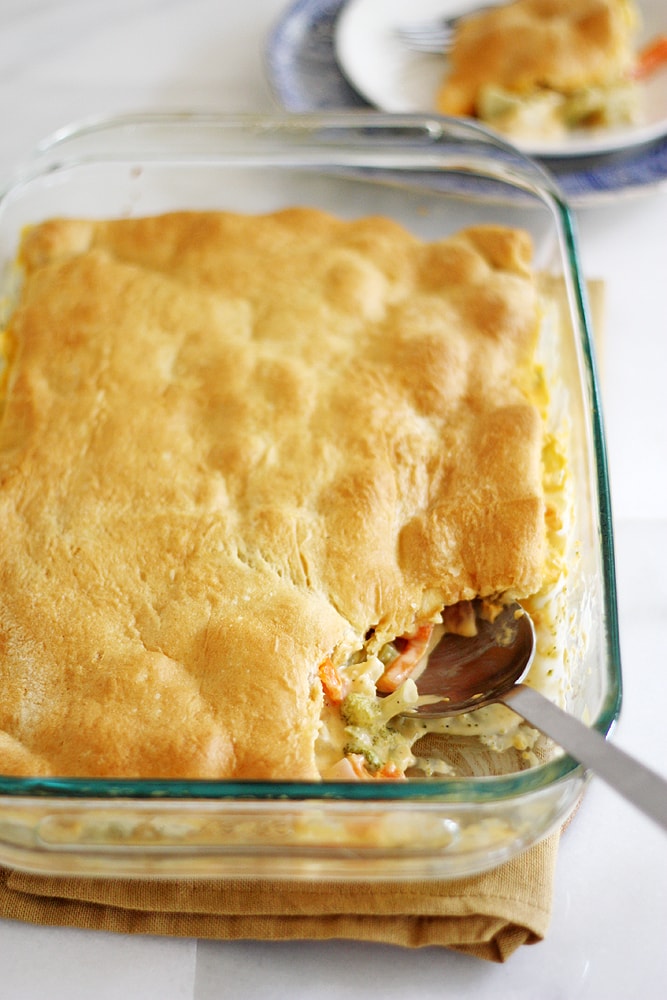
point(434, 176)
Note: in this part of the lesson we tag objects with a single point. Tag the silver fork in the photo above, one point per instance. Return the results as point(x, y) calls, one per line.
point(436, 35)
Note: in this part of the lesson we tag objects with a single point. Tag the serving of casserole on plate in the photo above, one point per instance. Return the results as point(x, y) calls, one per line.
point(562, 78)
point(261, 444)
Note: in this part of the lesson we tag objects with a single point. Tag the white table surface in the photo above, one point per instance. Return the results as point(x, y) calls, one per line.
point(63, 59)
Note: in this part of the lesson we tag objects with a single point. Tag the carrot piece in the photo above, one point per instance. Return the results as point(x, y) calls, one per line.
point(405, 663)
point(391, 771)
point(358, 764)
point(333, 684)
point(388, 771)
point(651, 58)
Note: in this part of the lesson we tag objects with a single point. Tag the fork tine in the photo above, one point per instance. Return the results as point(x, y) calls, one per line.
point(436, 35)
point(424, 34)
point(427, 45)
point(423, 38)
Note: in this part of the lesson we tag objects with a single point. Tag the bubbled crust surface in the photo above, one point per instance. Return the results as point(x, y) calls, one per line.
point(233, 445)
point(562, 45)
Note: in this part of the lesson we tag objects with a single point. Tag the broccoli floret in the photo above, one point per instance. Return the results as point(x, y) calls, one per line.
point(362, 710)
point(360, 741)
point(371, 712)
point(378, 747)
point(368, 727)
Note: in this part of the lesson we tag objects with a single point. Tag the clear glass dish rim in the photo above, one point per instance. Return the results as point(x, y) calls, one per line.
point(495, 161)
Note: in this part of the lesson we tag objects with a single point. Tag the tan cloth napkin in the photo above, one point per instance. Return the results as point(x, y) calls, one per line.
point(488, 916)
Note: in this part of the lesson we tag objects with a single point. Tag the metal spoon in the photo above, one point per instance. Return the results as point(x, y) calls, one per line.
point(490, 667)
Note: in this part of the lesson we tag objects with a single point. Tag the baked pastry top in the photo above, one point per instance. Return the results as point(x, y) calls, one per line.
point(233, 447)
point(528, 47)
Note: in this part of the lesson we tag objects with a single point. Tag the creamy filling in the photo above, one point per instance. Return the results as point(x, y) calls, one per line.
point(366, 729)
point(547, 112)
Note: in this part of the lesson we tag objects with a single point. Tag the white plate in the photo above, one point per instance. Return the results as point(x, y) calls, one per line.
point(393, 78)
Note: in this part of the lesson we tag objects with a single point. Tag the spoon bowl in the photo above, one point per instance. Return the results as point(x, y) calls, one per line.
point(466, 673)
point(470, 672)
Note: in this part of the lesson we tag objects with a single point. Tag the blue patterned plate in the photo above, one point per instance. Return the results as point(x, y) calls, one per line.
point(304, 74)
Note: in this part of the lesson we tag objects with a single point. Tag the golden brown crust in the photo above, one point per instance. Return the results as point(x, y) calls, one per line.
point(231, 446)
point(561, 45)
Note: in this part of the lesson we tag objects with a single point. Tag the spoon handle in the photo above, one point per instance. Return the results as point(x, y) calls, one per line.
point(641, 786)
